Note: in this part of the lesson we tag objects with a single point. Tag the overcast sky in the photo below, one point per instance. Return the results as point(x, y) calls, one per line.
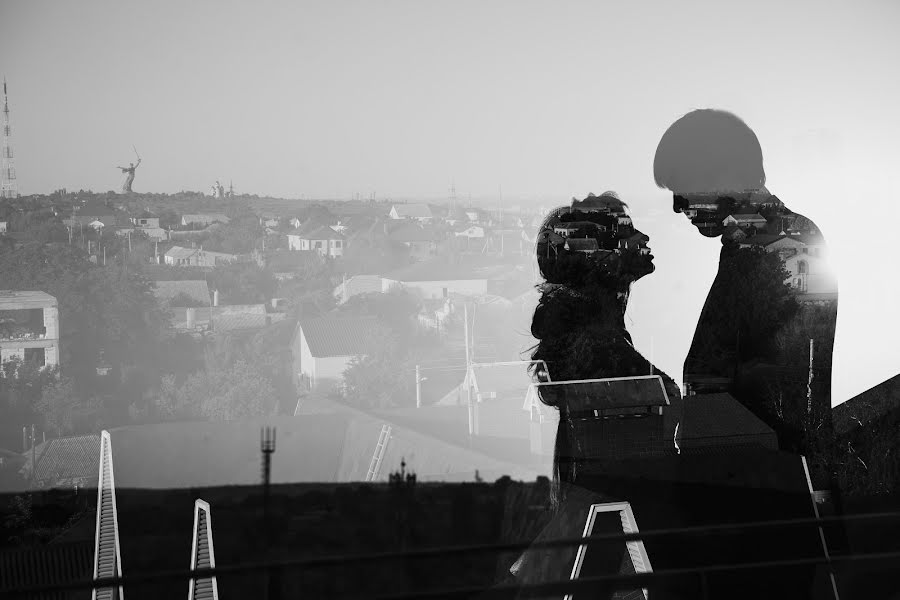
point(548, 100)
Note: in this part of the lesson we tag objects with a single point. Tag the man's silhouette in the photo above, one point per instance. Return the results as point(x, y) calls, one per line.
point(772, 294)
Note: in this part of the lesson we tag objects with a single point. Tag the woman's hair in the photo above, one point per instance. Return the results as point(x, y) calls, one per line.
point(709, 150)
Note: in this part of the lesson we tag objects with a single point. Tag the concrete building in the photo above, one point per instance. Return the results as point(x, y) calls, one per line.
point(436, 279)
point(419, 212)
point(179, 256)
point(29, 327)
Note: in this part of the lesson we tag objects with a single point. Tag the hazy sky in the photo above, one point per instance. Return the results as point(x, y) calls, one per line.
point(549, 100)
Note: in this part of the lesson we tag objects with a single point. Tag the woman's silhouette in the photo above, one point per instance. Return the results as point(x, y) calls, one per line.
point(589, 254)
point(579, 321)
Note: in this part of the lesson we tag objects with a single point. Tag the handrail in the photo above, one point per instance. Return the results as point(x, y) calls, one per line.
point(326, 561)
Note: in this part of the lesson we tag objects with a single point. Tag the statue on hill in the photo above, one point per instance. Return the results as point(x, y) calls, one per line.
point(129, 175)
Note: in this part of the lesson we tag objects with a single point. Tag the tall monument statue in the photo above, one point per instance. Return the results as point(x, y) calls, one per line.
point(129, 173)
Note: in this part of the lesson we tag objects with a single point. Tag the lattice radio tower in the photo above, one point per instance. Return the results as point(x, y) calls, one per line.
point(8, 186)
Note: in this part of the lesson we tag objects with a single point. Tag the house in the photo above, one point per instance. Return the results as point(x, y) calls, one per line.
point(734, 233)
point(295, 222)
point(69, 462)
point(2, 226)
point(196, 257)
point(572, 227)
point(418, 212)
point(29, 327)
point(355, 285)
point(230, 318)
point(810, 274)
point(97, 224)
point(472, 231)
point(324, 240)
point(754, 220)
point(146, 220)
point(436, 279)
point(585, 245)
point(203, 220)
point(322, 349)
point(196, 291)
point(94, 211)
point(638, 241)
point(607, 202)
point(421, 241)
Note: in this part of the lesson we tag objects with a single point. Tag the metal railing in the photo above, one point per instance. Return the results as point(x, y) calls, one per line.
point(274, 568)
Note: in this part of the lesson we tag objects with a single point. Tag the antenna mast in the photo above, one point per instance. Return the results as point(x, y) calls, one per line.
point(9, 188)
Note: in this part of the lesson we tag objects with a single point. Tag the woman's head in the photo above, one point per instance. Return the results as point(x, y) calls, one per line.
point(592, 245)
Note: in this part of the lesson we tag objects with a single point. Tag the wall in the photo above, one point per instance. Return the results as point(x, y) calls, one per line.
point(435, 289)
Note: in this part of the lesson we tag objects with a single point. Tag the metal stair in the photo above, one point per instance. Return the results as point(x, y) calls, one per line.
point(380, 447)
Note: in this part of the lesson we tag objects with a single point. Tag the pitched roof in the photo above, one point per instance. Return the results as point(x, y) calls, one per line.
point(65, 458)
point(319, 233)
point(224, 318)
point(31, 299)
point(179, 252)
point(205, 217)
point(360, 284)
point(331, 336)
point(615, 393)
point(582, 244)
point(418, 211)
point(748, 218)
point(410, 232)
point(720, 420)
point(198, 290)
point(433, 270)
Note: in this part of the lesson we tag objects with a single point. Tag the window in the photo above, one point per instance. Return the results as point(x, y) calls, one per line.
point(802, 267)
point(338, 244)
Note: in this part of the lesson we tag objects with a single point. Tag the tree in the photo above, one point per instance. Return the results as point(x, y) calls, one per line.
point(381, 377)
point(240, 391)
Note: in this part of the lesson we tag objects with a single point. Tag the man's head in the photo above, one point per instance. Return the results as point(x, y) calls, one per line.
point(705, 156)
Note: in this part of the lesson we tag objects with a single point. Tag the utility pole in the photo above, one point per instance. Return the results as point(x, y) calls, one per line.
point(267, 447)
point(418, 388)
point(9, 188)
point(809, 382)
point(471, 407)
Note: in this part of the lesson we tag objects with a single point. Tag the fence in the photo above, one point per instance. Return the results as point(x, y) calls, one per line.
point(652, 580)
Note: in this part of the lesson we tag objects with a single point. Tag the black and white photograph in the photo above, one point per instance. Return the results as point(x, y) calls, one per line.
point(449, 299)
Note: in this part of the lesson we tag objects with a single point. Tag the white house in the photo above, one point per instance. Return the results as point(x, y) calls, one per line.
point(419, 212)
point(473, 231)
point(436, 279)
point(196, 257)
point(2, 226)
point(295, 223)
point(324, 240)
point(810, 274)
point(755, 220)
point(146, 220)
point(203, 219)
point(323, 348)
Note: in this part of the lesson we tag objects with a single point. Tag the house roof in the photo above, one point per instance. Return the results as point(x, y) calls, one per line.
point(331, 336)
point(433, 270)
point(198, 453)
point(179, 252)
point(748, 218)
point(582, 244)
point(225, 318)
point(501, 381)
point(720, 420)
point(418, 211)
point(410, 232)
point(65, 458)
point(15, 299)
point(196, 289)
point(360, 284)
point(205, 217)
point(319, 233)
point(617, 393)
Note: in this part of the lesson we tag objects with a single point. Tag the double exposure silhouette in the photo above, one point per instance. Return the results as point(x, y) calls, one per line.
point(589, 254)
point(766, 331)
